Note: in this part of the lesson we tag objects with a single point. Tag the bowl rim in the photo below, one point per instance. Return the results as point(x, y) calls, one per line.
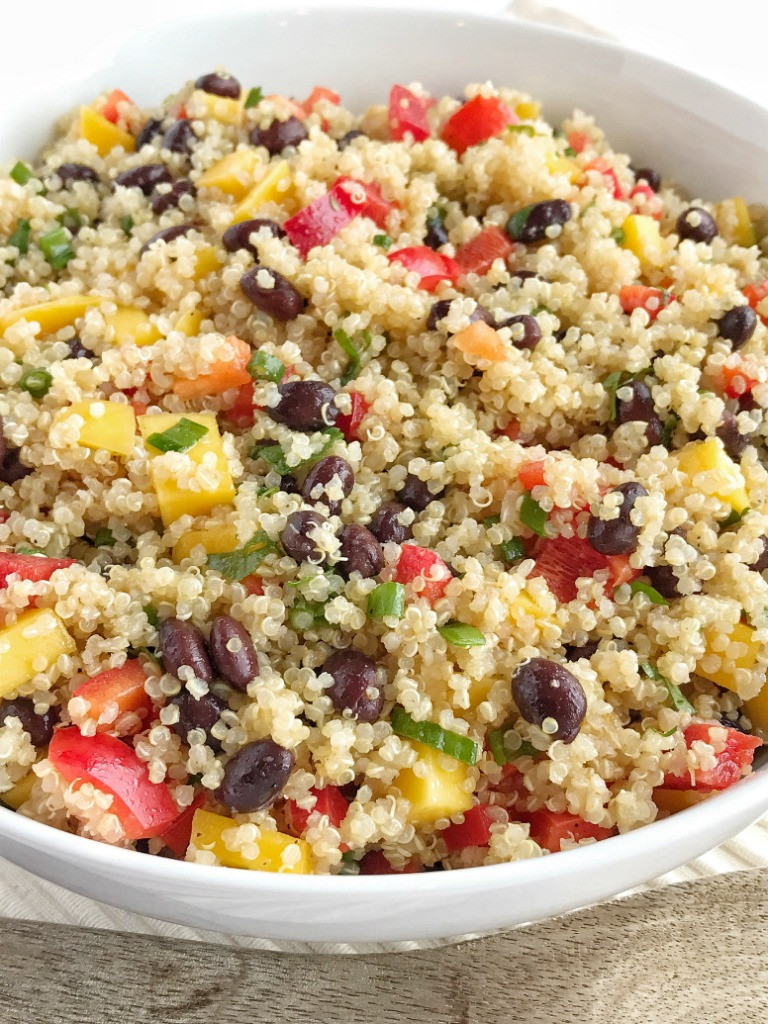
point(747, 797)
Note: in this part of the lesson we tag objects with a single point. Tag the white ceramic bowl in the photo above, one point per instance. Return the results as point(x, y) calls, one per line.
point(713, 141)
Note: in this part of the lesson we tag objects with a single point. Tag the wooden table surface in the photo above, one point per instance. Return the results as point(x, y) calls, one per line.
point(687, 954)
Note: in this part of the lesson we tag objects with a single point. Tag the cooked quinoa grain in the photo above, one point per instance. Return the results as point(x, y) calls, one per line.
point(377, 493)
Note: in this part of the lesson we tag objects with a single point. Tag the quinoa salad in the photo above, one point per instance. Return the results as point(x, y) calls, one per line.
point(379, 492)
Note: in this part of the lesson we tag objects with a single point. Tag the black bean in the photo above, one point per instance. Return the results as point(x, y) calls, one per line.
point(162, 201)
point(550, 696)
point(331, 468)
point(696, 224)
point(219, 85)
point(617, 536)
point(526, 275)
point(255, 776)
point(416, 494)
point(355, 687)
point(737, 325)
point(152, 128)
point(351, 135)
point(387, 526)
point(77, 350)
point(289, 484)
point(436, 234)
point(640, 408)
point(183, 645)
point(180, 137)
point(39, 727)
point(734, 442)
point(440, 310)
point(198, 713)
point(166, 235)
point(305, 405)
point(530, 224)
point(77, 172)
point(651, 178)
point(296, 540)
point(281, 301)
point(360, 552)
point(762, 560)
point(12, 469)
point(232, 652)
point(526, 332)
point(239, 235)
point(586, 650)
point(664, 579)
point(145, 177)
point(276, 136)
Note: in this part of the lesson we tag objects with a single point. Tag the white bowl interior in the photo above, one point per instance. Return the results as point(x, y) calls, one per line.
point(689, 129)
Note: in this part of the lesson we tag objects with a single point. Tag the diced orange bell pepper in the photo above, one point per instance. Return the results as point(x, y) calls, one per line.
point(317, 94)
point(479, 339)
point(531, 474)
point(223, 375)
point(114, 693)
point(755, 293)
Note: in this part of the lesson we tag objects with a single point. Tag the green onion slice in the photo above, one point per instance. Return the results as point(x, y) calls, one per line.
point(151, 612)
point(383, 241)
point(126, 223)
point(461, 634)
point(306, 614)
point(20, 237)
point(103, 538)
point(36, 382)
point(677, 698)
point(238, 564)
point(638, 587)
point(462, 748)
point(517, 222)
point(512, 551)
point(387, 601)
point(533, 515)
point(263, 366)
point(522, 129)
point(354, 349)
point(619, 236)
point(71, 219)
point(179, 438)
point(569, 151)
point(275, 456)
point(733, 517)
point(20, 173)
point(254, 97)
point(56, 248)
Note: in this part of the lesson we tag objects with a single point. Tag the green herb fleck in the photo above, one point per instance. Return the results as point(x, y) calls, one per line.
point(179, 438)
point(27, 549)
point(306, 614)
point(56, 248)
point(533, 515)
point(541, 308)
point(638, 587)
point(21, 174)
point(126, 223)
point(462, 748)
point(266, 492)
point(677, 698)
point(619, 236)
point(275, 456)
point(512, 551)
point(36, 382)
point(238, 564)
point(569, 151)
point(350, 863)
point(263, 366)
point(617, 379)
point(517, 222)
point(383, 241)
point(103, 538)
point(461, 634)
point(71, 219)
point(670, 426)
point(354, 349)
point(491, 521)
point(20, 237)
point(733, 517)
point(387, 601)
point(151, 612)
point(254, 97)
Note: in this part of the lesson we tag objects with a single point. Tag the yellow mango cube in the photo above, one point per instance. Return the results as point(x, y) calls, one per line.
point(734, 222)
point(207, 260)
point(232, 174)
point(674, 800)
point(221, 108)
point(215, 539)
point(189, 323)
point(108, 425)
point(53, 315)
point(757, 711)
point(208, 834)
point(173, 499)
point(440, 792)
point(725, 674)
point(557, 164)
point(102, 134)
point(132, 327)
point(20, 792)
point(711, 471)
point(273, 187)
point(528, 110)
point(32, 644)
point(642, 237)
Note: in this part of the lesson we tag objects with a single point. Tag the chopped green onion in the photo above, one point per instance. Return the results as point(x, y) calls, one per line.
point(104, 538)
point(151, 612)
point(638, 587)
point(306, 614)
point(569, 151)
point(522, 129)
point(387, 601)
point(512, 551)
point(491, 521)
point(20, 173)
point(20, 237)
point(254, 97)
point(540, 308)
point(505, 750)
point(275, 456)
point(308, 579)
point(669, 732)
point(496, 744)
point(517, 222)
point(263, 366)
point(56, 248)
point(27, 549)
point(36, 382)
point(71, 219)
point(533, 515)
point(353, 350)
point(238, 564)
point(733, 517)
point(521, 749)
point(462, 748)
point(619, 236)
point(677, 698)
point(669, 429)
point(383, 241)
point(126, 223)
point(179, 438)
point(350, 863)
point(266, 492)
point(617, 379)
point(461, 634)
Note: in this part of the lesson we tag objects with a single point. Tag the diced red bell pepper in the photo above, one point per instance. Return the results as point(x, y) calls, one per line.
point(375, 205)
point(144, 808)
point(414, 562)
point(563, 560)
point(322, 220)
point(110, 109)
point(289, 104)
point(647, 200)
point(432, 267)
point(329, 801)
point(549, 828)
point(349, 422)
point(733, 761)
point(253, 584)
point(242, 411)
point(479, 254)
point(578, 141)
point(640, 296)
point(475, 830)
point(601, 164)
point(408, 114)
point(512, 788)
point(531, 474)
point(178, 834)
point(375, 863)
point(642, 191)
point(30, 567)
point(620, 571)
point(114, 693)
point(511, 430)
point(317, 94)
point(479, 119)
point(737, 382)
point(755, 293)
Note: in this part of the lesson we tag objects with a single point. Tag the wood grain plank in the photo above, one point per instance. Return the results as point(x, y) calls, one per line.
point(692, 953)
